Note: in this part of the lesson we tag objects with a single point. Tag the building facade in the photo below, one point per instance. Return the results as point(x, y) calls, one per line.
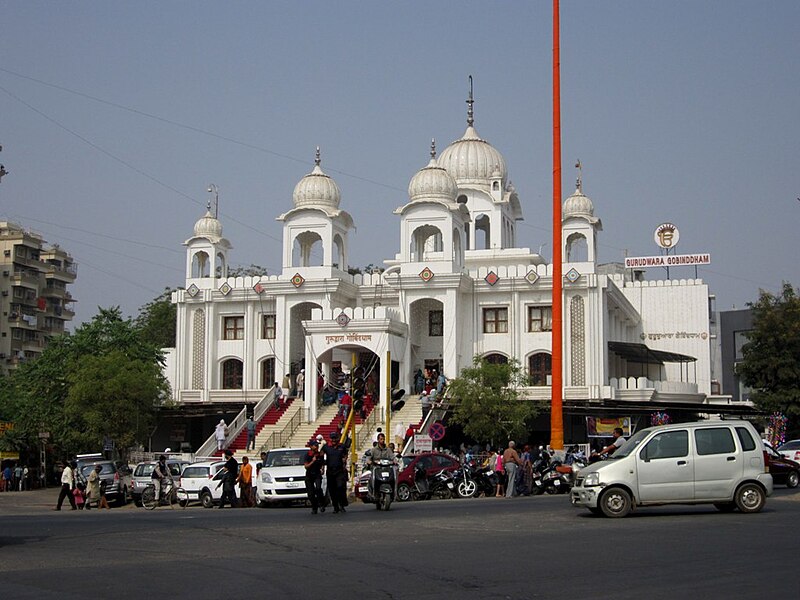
point(460, 285)
point(34, 295)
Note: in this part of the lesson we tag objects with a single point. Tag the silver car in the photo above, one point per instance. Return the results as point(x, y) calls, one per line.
point(116, 474)
point(708, 462)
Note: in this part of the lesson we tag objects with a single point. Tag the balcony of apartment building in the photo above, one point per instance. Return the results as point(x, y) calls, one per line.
point(60, 270)
point(20, 320)
point(23, 296)
point(23, 277)
point(638, 373)
point(29, 260)
point(54, 290)
point(58, 310)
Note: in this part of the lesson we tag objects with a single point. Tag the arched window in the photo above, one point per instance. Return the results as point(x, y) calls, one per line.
point(307, 250)
point(222, 268)
point(201, 265)
point(267, 373)
point(496, 359)
point(577, 248)
point(540, 369)
point(232, 371)
point(483, 229)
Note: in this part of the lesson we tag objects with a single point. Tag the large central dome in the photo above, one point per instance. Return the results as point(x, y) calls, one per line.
point(472, 159)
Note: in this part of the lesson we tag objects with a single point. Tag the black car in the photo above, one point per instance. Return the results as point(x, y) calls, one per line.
point(782, 469)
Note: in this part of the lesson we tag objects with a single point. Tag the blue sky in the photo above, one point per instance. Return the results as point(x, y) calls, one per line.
point(115, 117)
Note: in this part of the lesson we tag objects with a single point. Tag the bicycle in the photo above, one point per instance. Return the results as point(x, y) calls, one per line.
point(170, 495)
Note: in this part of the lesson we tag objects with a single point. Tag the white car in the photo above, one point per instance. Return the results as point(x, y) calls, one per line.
point(282, 477)
point(200, 482)
point(790, 450)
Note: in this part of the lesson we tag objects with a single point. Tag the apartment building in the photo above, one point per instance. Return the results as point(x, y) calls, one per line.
point(35, 303)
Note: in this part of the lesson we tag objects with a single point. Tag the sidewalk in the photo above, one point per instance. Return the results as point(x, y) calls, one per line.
point(37, 502)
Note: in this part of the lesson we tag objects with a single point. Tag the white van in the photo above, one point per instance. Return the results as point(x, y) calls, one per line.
point(709, 462)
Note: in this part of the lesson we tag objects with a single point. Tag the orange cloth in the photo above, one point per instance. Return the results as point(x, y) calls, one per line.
point(246, 474)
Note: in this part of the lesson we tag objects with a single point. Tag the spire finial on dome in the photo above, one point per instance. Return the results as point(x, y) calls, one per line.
point(317, 158)
point(580, 175)
point(433, 148)
point(470, 102)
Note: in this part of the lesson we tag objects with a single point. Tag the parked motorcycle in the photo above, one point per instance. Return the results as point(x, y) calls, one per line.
point(464, 480)
point(442, 485)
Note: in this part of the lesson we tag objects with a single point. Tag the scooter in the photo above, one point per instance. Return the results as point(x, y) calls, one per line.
point(383, 484)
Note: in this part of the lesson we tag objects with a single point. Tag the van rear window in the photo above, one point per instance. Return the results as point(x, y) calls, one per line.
point(717, 440)
point(746, 439)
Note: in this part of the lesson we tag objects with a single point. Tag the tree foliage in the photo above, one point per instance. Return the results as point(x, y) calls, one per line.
point(486, 402)
point(771, 357)
point(157, 321)
point(105, 380)
point(251, 271)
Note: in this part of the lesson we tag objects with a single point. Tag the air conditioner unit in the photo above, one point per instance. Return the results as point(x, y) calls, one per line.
point(2, 354)
point(6, 252)
point(5, 273)
point(5, 292)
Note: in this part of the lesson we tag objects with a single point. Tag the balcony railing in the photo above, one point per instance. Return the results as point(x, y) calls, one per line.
point(643, 383)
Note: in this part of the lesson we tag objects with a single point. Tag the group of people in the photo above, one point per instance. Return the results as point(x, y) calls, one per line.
point(79, 494)
point(14, 478)
point(329, 461)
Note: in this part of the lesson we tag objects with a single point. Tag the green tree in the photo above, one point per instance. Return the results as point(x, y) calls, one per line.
point(486, 402)
point(770, 363)
point(157, 321)
point(113, 396)
point(251, 271)
point(43, 396)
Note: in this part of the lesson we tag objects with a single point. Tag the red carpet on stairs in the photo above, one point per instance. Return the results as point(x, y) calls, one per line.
point(270, 418)
point(337, 421)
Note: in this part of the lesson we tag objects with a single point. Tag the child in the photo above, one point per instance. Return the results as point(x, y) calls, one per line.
point(103, 502)
point(78, 494)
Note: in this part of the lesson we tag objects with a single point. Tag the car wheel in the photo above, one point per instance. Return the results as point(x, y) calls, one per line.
point(615, 502)
point(263, 504)
point(724, 506)
point(750, 498)
point(792, 479)
point(403, 492)
point(206, 500)
point(122, 499)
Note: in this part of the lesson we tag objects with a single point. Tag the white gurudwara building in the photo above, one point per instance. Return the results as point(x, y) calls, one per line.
point(460, 285)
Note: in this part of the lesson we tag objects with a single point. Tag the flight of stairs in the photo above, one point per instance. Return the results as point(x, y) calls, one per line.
point(328, 421)
point(268, 423)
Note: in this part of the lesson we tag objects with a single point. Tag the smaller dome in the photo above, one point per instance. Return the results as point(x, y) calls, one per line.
point(432, 182)
point(316, 189)
point(208, 226)
point(577, 205)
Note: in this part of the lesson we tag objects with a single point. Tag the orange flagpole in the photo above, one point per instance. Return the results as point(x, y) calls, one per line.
point(556, 405)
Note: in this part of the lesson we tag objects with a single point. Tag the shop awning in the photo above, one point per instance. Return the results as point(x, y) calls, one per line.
point(640, 353)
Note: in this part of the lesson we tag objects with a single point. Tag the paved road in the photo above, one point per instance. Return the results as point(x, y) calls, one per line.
point(486, 548)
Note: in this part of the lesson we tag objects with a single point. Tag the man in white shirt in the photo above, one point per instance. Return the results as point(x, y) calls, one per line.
point(67, 483)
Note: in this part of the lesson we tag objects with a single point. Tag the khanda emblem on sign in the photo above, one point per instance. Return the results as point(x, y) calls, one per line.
point(666, 235)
